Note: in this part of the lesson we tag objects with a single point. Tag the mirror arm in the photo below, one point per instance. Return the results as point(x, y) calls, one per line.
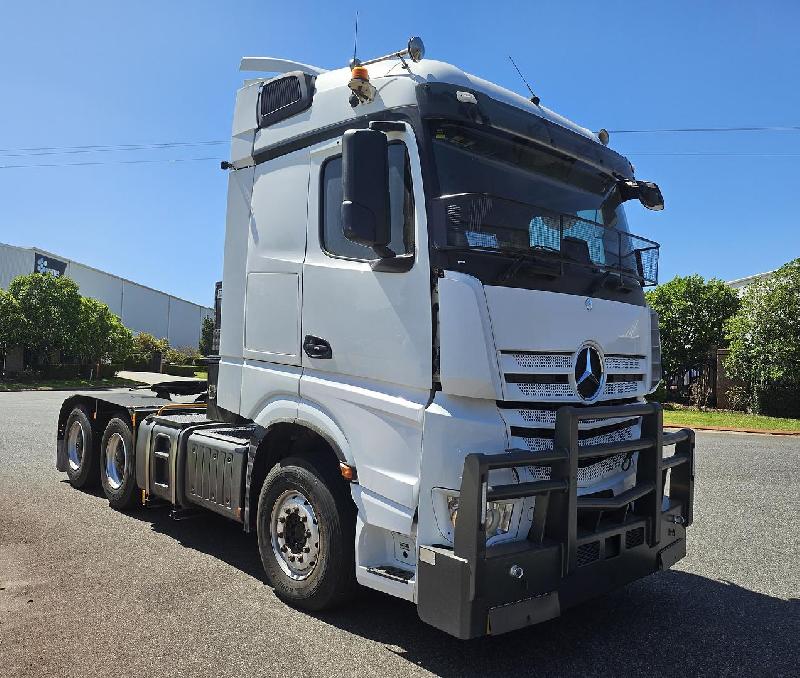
point(628, 189)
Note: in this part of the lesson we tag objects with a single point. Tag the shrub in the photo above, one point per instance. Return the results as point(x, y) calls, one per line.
point(101, 336)
point(692, 314)
point(700, 393)
point(182, 355)
point(739, 397)
point(765, 336)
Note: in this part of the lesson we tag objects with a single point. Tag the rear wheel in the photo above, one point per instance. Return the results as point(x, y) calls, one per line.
point(306, 533)
point(117, 470)
point(81, 452)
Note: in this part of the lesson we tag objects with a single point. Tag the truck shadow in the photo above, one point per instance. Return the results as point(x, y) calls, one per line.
point(208, 533)
point(673, 623)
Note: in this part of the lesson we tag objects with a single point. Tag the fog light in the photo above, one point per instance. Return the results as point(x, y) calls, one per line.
point(498, 516)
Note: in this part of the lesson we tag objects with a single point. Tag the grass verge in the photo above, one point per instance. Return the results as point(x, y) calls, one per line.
point(65, 384)
point(681, 415)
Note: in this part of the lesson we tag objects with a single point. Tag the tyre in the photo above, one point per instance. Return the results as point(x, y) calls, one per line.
point(306, 533)
point(117, 468)
point(81, 450)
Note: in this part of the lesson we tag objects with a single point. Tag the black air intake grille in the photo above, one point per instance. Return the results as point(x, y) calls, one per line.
point(284, 97)
point(588, 553)
point(634, 538)
point(278, 94)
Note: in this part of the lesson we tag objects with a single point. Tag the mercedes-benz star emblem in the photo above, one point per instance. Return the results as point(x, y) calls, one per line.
point(588, 372)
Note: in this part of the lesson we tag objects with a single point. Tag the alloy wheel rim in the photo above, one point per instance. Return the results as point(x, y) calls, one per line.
point(75, 443)
point(294, 530)
point(116, 460)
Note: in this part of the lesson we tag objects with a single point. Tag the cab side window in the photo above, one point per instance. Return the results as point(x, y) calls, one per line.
point(401, 200)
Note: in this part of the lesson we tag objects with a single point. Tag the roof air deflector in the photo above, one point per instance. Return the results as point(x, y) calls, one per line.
point(272, 65)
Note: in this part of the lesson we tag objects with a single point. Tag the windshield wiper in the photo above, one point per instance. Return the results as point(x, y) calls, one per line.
point(527, 258)
point(618, 279)
point(530, 260)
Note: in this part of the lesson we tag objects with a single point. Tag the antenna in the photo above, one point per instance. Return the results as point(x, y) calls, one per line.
point(355, 61)
point(534, 99)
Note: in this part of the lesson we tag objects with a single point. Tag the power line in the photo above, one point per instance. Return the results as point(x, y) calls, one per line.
point(704, 154)
point(793, 128)
point(110, 162)
point(69, 150)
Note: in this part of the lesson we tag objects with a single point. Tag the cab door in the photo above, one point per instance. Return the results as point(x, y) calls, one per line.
point(367, 334)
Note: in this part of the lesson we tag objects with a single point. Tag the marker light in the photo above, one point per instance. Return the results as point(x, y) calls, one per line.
point(360, 73)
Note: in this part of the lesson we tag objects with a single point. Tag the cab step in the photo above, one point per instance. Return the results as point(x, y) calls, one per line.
point(392, 572)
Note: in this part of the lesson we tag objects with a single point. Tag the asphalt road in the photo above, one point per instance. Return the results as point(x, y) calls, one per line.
point(86, 591)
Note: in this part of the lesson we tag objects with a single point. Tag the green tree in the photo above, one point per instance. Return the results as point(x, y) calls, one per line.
point(206, 335)
point(765, 333)
point(48, 313)
point(692, 313)
point(101, 335)
point(11, 320)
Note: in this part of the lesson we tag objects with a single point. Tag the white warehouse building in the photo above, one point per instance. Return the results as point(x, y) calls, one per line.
point(141, 308)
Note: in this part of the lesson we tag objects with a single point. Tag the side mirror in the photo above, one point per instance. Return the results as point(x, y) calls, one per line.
point(366, 218)
point(647, 192)
point(650, 195)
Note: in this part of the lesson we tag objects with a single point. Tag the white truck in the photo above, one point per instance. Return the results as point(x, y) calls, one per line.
point(434, 355)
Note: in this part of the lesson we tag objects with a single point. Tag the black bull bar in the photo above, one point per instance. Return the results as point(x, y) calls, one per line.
point(472, 589)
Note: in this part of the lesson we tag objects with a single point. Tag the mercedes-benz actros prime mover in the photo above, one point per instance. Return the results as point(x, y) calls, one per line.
point(434, 352)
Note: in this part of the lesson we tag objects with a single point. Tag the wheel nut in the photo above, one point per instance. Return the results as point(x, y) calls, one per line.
point(306, 550)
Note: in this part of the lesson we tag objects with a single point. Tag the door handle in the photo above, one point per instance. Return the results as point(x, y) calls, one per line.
point(316, 347)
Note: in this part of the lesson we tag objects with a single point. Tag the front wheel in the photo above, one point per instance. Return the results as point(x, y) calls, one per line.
point(306, 533)
point(117, 469)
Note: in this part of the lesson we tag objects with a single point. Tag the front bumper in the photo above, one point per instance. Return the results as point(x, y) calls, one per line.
point(471, 589)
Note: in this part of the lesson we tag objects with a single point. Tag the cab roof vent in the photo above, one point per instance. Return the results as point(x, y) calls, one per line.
point(283, 97)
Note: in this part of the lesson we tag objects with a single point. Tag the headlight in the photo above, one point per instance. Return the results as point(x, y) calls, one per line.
point(498, 515)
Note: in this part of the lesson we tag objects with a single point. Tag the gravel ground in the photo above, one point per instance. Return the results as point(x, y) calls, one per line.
point(86, 591)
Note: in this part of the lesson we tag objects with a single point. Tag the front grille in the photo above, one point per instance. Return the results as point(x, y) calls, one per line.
point(588, 553)
point(532, 429)
point(618, 388)
point(545, 391)
point(543, 361)
point(621, 363)
point(549, 377)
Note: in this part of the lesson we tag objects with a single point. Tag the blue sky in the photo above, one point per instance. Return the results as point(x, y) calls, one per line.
point(108, 73)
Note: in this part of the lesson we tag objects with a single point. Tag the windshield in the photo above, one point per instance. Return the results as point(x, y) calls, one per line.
point(502, 192)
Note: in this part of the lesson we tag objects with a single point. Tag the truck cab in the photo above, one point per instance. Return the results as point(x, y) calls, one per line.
point(434, 352)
